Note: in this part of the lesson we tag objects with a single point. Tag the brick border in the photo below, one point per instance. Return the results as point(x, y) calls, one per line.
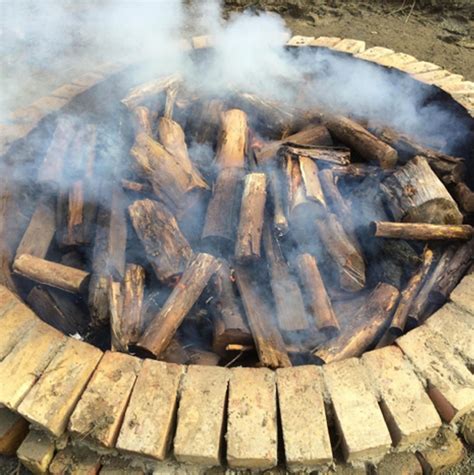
point(428, 365)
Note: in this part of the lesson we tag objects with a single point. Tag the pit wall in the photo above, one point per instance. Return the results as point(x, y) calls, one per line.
point(67, 406)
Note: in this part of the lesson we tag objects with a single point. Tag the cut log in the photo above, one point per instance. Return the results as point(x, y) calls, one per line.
point(421, 231)
point(206, 121)
point(415, 194)
point(143, 120)
point(223, 210)
point(171, 93)
point(313, 135)
point(137, 187)
point(51, 273)
point(118, 339)
point(228, 320)
point(348, 262)
point(375, 315)
point(280, 220)
point(164, 325)
point(332, 155)
point(232, 140)
point(71, 215)
point(465, 197)
point(249, 232)
point(289, 305)
point(359, 139)
point(316, 294)
point(268, 340)
point(167, 249)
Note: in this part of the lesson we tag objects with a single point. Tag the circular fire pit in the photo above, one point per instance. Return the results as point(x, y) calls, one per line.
point(120, 410)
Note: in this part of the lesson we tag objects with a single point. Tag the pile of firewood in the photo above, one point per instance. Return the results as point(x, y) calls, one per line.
point(303, 237)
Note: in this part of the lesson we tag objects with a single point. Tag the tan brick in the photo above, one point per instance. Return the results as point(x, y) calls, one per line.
point(359, 419)
point(22, 367)
point(408, 410)
point(77, 461)
point(88, 79)
point(13, 429)
point(25, 115)
point(459, 87)
point(300, 40)
point(36, 452)
point(374, 53)
point(68, 91)
point(201, 415)
point(49, 104)
point(396, 60)
point(204, 41)
point(447, 80)
point(432, 76)
point(348, 45)
point(434, 359)
point(325, 41)
point(463, 294)
point(467, 429)
point(251, 429)
point(457, 327)
point(53, 398)
point(7, 299)
point(150, 414)
point(419, 67)
point(404, 463)
point(99, 413)
point(305, 431)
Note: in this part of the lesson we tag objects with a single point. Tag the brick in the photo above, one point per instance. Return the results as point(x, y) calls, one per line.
point(451, 383)
point(252, 428)
point(419, 67)
point(448, 79)
point(22, 367)
point(26, 115)
point(53, 398)
point(404, 463)
point(204, 41)
point(88, 79)
point(77, 461)
point(299, 40)
point(457, 327)
point(359, 419)
point(325, 41)
point(432, 76)
point(305, 431)
point(49, 104)
point(348, 45)
point(459, 87)
point(467, 429)
point(148, 422)
point(36, 452)
point(13, 429)
point(68, 91)
point(408, 410)
point(99, 413)
point(396, 60)
point(463, 294)
point(7, 299)
point(374, 53)
point(10, 134)
point(201, 415)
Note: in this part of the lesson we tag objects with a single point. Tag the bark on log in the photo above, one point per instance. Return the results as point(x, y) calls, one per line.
point(228, 321)
point(233, 138)
point(465, 197)
point(316, 295)
point(166, 248)
point(415, 194)
point(142, 120)
point(164, 325)
point(51, 273)
point(71, 215)
point(333, 155)
point(171, 93)
point(421, 231)
point(362, 141)
point(137, 187)
point(289, 305)
point(249, 232)
point(118, 338)
point(354, 341)
point(268, 340)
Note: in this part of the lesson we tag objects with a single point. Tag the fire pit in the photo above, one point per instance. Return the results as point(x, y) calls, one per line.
point(229, 235)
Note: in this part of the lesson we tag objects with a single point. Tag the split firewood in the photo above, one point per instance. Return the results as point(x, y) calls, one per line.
point(358, 171)
point(313, 135)
point(51, 273)
point(249, 232)
point(465, 197)
point(316, 295)
point(348, 262)
point(233, 139)
point(289, 305)
point(415, 194)
point(137, 187)
point(58, 309)
point(333, 155)
point(148, 91)
point(359, 139)
point(164, 325)
point(268, 340)
point(421, 231)
point(71, 212)
point(206, 120)
point(143, 121)
point(6, 250)
point(118, 338)
point(353, 341)
point(171, 93)
point(276, 188)
point(167, 249)
point(222, 213)
point(228, 321)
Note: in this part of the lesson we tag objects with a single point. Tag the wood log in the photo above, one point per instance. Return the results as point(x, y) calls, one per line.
point(276, 188)
point(367, 145)
point(166, 248)
point(233, 138)
point(415, 194)
point(206, 121)
point(143, 120)
point(58, 310)
point(358, 170)
point(289, 305)
point(6, 250)
point(268, 340)
point(202, 357)
point(348, 262)
point(333, 155)
point(137, 187)
point(51, 273)
point(421, 231)
point(171, 94)
point(223, 210)
point(118, 338)
point(409, 293)
point(249, 232)
point(71, 215)
point(229, 326)
point(313, 135)
point(316, 295)
point(353, 341)
point(143, 93)
point(164, 325)
point(465, 197)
